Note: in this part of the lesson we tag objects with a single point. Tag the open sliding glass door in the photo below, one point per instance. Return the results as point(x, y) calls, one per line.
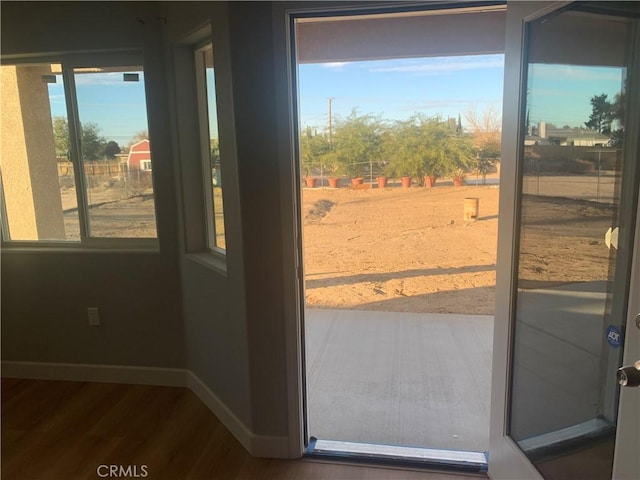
point(568, 283)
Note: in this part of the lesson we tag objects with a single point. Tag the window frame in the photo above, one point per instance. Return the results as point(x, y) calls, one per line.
point(69, 62)
point(202, 93)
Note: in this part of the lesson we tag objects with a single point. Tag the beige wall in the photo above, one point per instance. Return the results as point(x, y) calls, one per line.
point(396, 37)
point(29, 173)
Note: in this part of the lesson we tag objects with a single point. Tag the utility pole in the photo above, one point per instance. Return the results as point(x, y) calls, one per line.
point(330, 125)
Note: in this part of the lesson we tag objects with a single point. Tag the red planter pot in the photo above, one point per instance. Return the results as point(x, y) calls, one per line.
point(406, 182)
point(357, 181)
point(382, 182)
point(458, 181)
point(310, 182)
point(334, 182)
point(429, 181)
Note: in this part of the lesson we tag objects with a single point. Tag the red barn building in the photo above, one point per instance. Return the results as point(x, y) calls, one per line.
point(139, 156)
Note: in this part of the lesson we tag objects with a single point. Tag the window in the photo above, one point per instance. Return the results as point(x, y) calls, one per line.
point(210, 146)
point(76, 161)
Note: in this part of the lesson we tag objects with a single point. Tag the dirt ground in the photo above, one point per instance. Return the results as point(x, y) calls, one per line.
point(400, 249)
point(409, 250)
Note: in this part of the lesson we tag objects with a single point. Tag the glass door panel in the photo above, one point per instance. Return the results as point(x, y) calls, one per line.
point(577, 204)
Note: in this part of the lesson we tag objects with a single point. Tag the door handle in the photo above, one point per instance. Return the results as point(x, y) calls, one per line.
point(629, 376)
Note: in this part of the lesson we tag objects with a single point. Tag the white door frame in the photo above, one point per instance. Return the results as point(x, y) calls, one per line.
point(506, 460)
point(505, 456)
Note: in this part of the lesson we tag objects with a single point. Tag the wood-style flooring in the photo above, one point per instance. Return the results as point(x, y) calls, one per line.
point(66, 430)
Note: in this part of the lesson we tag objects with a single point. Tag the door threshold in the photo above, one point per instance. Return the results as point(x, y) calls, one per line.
point(460, 460)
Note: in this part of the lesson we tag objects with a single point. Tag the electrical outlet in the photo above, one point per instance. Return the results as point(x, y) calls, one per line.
point(94, 317)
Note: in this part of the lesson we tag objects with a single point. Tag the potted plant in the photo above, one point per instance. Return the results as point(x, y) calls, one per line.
point(357, 144)
point(419, 149)
point(313, 147)
point(331, 167)
point(430, 180)
point(456, 158)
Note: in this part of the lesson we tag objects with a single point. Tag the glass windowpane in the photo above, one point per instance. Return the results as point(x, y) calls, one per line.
point(116, 152)
point(217, 205)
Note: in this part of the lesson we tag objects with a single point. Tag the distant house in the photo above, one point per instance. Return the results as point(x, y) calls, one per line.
point(576, 137)
point(139, 156)
point(573, 137)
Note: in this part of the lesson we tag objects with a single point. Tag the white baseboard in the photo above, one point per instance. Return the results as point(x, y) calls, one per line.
point(237, 428)
point(257, 445)
point(166, 377)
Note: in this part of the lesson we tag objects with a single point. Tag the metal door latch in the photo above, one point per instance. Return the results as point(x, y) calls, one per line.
point(629, 376)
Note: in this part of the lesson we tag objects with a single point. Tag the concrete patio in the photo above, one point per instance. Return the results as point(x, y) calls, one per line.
point(399, 378)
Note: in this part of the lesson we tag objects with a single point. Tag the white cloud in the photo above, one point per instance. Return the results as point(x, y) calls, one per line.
point(334, 64)
point(441, 66)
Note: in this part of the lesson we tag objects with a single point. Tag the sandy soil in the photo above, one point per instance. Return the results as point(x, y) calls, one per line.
point(409, 249)
point(400, 249)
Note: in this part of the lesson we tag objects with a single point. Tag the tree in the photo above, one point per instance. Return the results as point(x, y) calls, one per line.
point(357, 140)
point(139, 136)
point(214, 144)
point(408, 148)
point(618, 113)
point(111, 149)
point(92, 142)
point(313, 151)
point(486, 132)
point(602, 114)
point(61, 137)
point(427, 146)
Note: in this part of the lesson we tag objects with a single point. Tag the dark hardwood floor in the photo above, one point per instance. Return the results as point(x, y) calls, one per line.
point(66, 430)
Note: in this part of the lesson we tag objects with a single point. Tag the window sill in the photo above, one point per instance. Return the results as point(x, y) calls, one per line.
point(211, 261)
point(148, 246)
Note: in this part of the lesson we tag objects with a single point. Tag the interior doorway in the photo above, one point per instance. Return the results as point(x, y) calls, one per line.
point(399, 277)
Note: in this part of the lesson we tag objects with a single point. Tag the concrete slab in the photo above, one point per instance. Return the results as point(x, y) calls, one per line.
point(399, 378)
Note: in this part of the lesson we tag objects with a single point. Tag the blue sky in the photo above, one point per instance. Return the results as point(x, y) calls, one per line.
point(116, 106)
point(560, 94)
point(394, 89)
